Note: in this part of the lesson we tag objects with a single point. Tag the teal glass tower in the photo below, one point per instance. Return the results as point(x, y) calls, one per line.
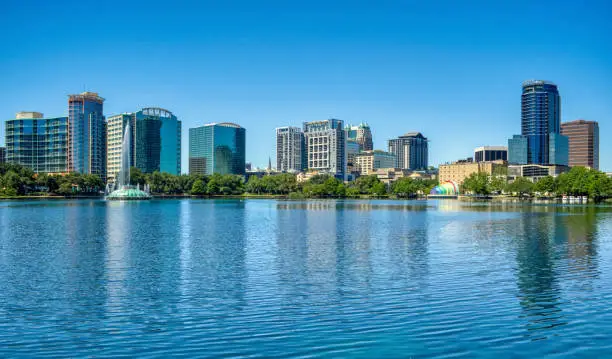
point(38, 143)
point(157, 141)
point(217, 148)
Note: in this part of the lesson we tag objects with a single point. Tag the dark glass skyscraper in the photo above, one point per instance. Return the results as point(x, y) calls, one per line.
point(540, 116)
point(217, 148)
point(86, 134)
point(157, 142)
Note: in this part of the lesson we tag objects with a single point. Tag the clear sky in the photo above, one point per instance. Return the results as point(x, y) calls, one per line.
point(450, 69)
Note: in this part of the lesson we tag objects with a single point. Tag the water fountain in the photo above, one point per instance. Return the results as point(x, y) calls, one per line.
point(122, 190)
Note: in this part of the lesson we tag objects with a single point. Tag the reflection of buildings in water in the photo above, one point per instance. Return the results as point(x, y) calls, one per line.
point(217, 268)
point(581, 232)
point(539, 291)
point(321, 250)
point(118, 232)
point(292, 253)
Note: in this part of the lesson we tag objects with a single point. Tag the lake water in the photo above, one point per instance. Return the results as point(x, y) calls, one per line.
point(266, 278)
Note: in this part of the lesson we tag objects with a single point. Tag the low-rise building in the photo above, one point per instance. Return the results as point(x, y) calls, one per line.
point(390, 175)
point(368, 161)
point(459, 171)
point(534, 171)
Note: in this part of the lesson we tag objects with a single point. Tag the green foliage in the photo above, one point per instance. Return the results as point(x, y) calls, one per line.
point(546, 185)
point(407, 187)
point(198, 188)
point(521, 186)
point(477, 183)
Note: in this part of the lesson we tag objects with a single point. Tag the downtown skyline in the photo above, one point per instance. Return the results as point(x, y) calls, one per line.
point(441, 70)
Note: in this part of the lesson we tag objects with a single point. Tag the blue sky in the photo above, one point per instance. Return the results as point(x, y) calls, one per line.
point(450, 69)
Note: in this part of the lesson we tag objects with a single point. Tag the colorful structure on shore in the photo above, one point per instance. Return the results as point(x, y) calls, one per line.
point(445, 188)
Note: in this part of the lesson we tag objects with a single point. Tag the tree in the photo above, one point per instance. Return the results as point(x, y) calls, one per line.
point(545, 185)
point(476, 183)
point(198, 188)
point(406, 187)
point(521, 186)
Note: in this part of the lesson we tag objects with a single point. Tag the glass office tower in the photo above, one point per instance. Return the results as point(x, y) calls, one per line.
point(157, 144)
point(86, 134)
point(217, 148)
point(540, 116)
point(517, 150)
point(37, 143)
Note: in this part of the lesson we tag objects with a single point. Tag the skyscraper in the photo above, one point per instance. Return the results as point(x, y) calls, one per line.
point(517, 150)
point(115, 131)
point(217, 148)
point(540, 117)
point(290, 149)
point(157, 141)
point(361, 134)
point(86, 134)
point(325, 145)
point(410, 150)
point(37, 143)
point(2, 154)
point(583, 142)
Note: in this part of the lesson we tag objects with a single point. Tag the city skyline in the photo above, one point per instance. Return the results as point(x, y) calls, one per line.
point(442, 69)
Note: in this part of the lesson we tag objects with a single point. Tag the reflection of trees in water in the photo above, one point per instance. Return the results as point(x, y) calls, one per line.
point(581, 231)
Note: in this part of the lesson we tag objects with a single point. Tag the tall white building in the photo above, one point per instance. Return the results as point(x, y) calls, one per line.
point(326, 147)
point(115, 130)
point(290, 149)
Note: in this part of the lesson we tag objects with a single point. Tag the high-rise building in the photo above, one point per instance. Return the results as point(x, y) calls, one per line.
point(367, 162)
point(583, 143)
point(410, 150)
point(352, 149)
point(290, 149)
point(540, 117)
point(490, 153)
point(558, 149)
point(517, 150)
point(86, 134)
point(115, 131)
point(325, 146)
point(2, 154)
point(361, 134)
point(37, 143)
point(157, 141)
point(217, 148)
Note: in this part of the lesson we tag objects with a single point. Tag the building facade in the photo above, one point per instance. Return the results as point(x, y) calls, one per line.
point(490, 153)
point(325, 147)
point(352, 150)
point(540, 117)
point(2, 154)
point(38, 143)
point(583, 138)
point(217, 148)
point(86, 134)
point(517, 150)
point(157, 141)
point(115, 132)
point(558, 149)
point(361, 134)
point(535, 172)
point(458, 172)
point(410, 150)
point(367, 162)
point(290, 149)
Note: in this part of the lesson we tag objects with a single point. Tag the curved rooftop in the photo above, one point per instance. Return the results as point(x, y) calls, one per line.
point(229, 124)
point(156, 111)
point(529, 83)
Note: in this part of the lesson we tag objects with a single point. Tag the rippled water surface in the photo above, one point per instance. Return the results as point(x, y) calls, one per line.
point(264, 278)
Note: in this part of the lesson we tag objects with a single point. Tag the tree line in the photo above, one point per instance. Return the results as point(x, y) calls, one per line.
point(579, 181)
point(17, 180)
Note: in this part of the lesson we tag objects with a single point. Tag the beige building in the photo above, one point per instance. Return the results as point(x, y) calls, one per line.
point(367, 162)
point(115, 129)
point(459, 171)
